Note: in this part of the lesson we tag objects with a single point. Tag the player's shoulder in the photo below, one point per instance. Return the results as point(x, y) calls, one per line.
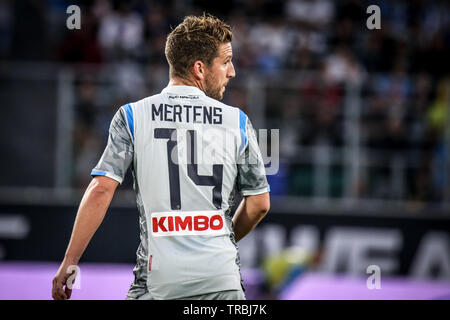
point(225, 107)
point(132, 109)
point(127, 112)
point(144, 102)
point(235, 117)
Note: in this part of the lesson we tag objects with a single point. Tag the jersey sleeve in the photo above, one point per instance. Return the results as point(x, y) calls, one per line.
point(251, 179)
point(119, 150)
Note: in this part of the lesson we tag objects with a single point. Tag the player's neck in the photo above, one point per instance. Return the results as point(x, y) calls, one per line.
point(185, 82)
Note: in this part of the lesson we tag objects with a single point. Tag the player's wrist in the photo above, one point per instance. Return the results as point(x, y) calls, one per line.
point(71, 259)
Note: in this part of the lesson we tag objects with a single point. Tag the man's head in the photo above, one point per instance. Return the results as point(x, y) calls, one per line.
point(199, 50)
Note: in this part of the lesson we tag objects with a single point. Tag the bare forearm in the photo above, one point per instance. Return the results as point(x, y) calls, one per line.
point(246, 218)
point(241, 222)
point(90, 215)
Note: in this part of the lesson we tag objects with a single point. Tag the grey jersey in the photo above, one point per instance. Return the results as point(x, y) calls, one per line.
point(188, 153)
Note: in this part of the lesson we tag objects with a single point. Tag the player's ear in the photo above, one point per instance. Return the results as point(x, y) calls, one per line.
point(199, 70)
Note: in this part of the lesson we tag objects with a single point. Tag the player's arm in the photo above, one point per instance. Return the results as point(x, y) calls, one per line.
point(251, 183)
point(108, 174)
point(249, 213)
point(91, 212)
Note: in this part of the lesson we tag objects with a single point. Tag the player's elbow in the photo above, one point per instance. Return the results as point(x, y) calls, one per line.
point(264, 207)
point(261, 211)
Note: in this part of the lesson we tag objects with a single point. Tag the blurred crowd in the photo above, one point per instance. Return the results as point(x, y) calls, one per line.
point(400, 72)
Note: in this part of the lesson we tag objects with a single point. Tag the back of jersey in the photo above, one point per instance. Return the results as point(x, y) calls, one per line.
point(189, 153)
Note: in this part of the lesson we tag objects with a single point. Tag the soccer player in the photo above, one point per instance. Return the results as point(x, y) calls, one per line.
point(188, 152)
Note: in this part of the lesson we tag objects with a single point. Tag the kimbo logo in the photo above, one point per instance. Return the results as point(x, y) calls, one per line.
point(187, 223)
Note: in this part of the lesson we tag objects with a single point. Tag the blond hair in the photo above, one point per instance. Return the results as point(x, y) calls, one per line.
point(196, 38)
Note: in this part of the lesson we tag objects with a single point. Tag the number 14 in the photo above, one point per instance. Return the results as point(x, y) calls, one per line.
point(192, 168)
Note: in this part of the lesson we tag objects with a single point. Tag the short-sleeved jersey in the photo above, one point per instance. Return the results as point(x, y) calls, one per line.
point(188, 153)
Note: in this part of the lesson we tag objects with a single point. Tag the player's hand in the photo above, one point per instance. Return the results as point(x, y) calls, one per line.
point(61, 290)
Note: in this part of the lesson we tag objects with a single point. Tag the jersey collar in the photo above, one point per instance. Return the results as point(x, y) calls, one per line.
point(183, 90)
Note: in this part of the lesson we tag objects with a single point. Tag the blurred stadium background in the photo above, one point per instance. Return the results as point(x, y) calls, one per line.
point(364, 177)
